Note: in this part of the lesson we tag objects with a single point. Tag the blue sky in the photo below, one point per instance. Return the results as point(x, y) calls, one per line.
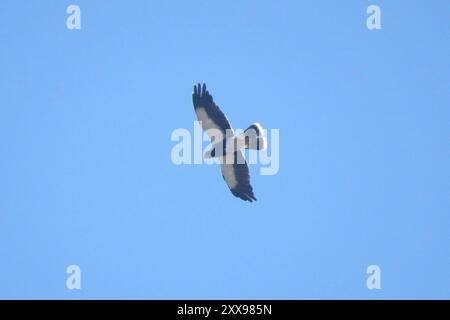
point(86, 176)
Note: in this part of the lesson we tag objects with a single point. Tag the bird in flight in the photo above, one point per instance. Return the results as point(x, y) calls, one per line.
point(225, 145)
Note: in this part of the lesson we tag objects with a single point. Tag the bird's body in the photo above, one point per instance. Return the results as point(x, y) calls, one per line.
point(226, 146)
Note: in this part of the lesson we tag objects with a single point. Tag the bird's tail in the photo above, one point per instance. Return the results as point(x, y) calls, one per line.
point(254, 137)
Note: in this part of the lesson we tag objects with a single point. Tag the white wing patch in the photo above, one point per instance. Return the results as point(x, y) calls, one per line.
point(209, 126)
point(229, 175)
point(207, 122)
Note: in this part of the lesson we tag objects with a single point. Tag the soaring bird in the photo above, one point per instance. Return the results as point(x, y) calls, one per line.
point(226, 146)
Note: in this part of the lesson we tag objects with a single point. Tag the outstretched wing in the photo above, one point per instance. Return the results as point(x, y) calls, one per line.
point(208, 113)
point(237, 177)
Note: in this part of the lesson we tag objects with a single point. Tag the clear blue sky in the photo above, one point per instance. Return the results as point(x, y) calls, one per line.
point(85, 171)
